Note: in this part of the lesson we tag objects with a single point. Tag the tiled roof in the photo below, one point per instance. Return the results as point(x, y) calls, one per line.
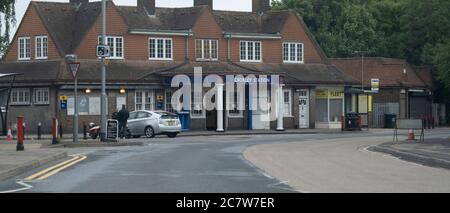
point(389, 71)
point(152, 72)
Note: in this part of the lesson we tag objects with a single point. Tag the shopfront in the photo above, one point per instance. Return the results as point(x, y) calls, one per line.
point(329, 107)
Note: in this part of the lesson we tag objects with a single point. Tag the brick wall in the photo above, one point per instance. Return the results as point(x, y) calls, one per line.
point(31, 26)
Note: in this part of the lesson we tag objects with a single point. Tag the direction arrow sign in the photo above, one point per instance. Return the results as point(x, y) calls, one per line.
point(73, 67)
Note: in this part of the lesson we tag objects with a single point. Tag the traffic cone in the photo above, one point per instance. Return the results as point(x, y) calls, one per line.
point(9, 137)
point(411, 136)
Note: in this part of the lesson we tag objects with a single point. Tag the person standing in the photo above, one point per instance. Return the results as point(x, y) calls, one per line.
point(123, 116)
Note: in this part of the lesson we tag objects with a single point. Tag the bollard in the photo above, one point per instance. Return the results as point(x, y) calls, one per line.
point(60, 129)
point(84, 131)
point(39, 131)
point(54, 131)
point(20, 134)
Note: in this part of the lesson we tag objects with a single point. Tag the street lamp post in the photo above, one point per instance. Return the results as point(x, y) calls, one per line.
point(103, 98)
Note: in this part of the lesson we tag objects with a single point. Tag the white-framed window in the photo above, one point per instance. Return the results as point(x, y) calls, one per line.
point(293, 52)
point(24, 52)
point(144, 100)
point(160, 48)
point(115, 44)
point(251, 51)
point(41, 47)
point(206, 49)
point(287, 102)
point(197, 105)
point(20, 96)
point(236, 100)
point(168, 101)
point(42, 96)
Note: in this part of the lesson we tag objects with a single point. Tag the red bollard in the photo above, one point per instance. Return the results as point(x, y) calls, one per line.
point(359, 122)
point(54, 131)
point(20, 134)
point(342, 123)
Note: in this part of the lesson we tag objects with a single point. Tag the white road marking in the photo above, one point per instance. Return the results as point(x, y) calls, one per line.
point(24, 188)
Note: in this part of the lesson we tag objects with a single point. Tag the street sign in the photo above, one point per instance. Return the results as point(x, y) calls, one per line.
point(73, 67)
point(375, 84)
point(103, 51)
point(63, 98)
point(63, 105)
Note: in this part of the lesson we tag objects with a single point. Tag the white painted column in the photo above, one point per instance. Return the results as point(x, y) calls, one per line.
point(219, 101)
point(280, 108)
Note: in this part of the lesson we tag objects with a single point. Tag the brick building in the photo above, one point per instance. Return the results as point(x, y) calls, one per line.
point(405, 90)
point(151, 45)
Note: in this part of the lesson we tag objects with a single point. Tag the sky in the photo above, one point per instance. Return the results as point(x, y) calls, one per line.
point(238, 5)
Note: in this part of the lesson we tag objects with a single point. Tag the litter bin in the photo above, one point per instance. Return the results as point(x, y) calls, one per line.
point(390, 121)
point(352, 121)
point(184, 119)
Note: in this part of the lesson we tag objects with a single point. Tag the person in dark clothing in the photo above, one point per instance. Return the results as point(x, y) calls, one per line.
point(122, 117)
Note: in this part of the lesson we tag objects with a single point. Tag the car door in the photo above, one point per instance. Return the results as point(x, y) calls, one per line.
point(132, 122)
point(142, 120)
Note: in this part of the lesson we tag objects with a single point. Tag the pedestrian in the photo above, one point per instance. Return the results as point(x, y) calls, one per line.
point(122, 117)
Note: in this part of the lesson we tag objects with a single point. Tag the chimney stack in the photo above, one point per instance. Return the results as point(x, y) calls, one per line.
point(148, 5)
point(78, 1)
point(261, 6)
point(204, 2)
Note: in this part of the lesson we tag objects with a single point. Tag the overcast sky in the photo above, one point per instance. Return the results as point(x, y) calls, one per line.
point(239, 5)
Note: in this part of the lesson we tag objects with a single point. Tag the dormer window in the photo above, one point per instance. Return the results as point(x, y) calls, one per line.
point(24, 48)
point(41, 47)
point(293, 52)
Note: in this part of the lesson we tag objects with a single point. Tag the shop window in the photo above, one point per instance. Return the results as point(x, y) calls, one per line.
point(329, 105)
point(41, 96)
point(87, 105)
point(235, 104)
point(144, 100)
point(20, 96)
point(287, 103)
point(168, 102)
point(197, 105)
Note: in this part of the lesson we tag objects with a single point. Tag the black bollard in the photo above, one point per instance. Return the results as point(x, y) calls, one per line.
point(60, 131)
point(39, 131)
point(84, 131)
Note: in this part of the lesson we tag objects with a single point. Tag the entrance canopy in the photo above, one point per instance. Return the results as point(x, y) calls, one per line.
point(5, 95)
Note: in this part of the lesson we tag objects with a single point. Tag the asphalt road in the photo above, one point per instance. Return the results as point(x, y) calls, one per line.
point(185, 165)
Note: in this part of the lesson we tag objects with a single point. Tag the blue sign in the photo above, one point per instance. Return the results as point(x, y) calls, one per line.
point(63, 104)
point(159, 105)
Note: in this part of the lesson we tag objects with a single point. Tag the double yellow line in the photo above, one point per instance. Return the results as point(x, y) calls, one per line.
point(44, 174)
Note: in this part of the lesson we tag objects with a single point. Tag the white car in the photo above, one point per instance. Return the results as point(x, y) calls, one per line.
point(151, 123)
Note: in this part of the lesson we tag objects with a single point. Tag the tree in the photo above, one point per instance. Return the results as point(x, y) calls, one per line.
point(7, 19)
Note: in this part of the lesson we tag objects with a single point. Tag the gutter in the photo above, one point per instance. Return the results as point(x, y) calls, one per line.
point(228, 35)
point(161, 32)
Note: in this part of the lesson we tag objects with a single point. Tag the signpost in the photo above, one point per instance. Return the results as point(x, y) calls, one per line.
point(375, 82)
point(73, 67)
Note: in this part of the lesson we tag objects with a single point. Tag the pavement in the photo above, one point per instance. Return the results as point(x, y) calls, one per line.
point(431, 152)
point(34, 137)
point(13, 163)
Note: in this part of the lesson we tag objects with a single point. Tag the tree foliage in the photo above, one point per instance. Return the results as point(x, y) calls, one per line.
point(414, 30)
point(7, 19)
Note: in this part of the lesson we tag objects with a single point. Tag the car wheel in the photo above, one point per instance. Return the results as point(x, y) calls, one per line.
point(172, 135)
point(149, 132)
